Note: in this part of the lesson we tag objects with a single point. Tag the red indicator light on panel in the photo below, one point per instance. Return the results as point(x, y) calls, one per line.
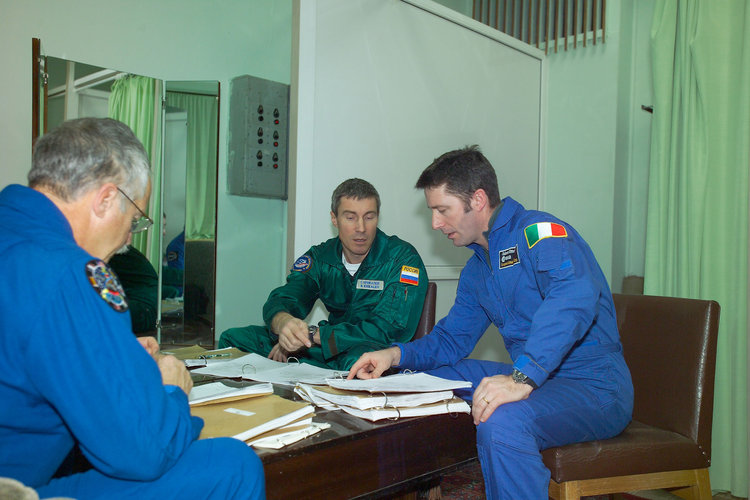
point(276, 122)
point(276, 144)
point(275, 165)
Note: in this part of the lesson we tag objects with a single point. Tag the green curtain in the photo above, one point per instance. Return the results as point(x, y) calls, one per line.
point(200, 182)
point(697, 221)
point(136, 101)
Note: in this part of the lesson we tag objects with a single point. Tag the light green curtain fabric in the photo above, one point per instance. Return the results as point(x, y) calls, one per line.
point(697, 232)
point(200, 182)
point(136, 101)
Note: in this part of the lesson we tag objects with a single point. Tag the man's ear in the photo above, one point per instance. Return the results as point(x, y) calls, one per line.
point(107, 196)
point(334, 221)
point(479, 200)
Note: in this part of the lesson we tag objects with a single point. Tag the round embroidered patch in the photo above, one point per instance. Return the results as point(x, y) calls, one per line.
point(106, 285)
point(302, 264)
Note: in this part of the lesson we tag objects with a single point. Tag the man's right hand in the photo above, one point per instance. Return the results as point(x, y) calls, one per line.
point(173, 372)
point(373, 364)
point(292, 332)
point(278, 354)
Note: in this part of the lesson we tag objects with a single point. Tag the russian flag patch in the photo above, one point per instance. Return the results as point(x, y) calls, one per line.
point(409, 275)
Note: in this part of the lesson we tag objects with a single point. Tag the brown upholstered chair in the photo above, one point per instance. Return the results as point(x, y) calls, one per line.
point(670, 347)
point(427, 321)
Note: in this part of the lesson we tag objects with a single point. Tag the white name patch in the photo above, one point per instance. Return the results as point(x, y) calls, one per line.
point(369, 285)
point(237, 411)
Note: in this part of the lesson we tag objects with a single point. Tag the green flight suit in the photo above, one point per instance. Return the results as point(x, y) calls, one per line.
point(379, 305)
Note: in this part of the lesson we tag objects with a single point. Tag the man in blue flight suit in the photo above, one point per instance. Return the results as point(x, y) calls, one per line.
point(73, 373)
point(534, 277)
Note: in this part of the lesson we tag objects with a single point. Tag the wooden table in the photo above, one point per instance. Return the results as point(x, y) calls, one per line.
point(359, 458)
point(356, 457)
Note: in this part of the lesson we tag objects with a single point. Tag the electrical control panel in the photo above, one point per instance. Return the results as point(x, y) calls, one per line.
point(258, 138)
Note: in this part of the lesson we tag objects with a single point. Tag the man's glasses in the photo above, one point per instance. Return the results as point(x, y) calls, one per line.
point(141, 223)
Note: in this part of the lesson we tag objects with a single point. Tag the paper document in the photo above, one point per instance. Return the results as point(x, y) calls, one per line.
point(454, 405)
point(282, 439)
point(256, 367)
point(364, 400)
point(218, 391)
point(247, 418)
point(401, 382)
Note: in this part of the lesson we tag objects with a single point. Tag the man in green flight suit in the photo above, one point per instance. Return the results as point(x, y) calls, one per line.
point(373, 286)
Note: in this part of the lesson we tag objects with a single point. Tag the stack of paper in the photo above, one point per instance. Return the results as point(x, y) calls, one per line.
point(391, 397)
point(259, 368)
point(219, 392)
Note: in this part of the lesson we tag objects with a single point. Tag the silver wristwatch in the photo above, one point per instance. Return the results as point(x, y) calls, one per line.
point(312, 330)
point(521, 378)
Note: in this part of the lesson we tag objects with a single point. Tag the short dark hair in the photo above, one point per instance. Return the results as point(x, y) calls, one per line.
point(462, 171)
point(353, 188)
point(85, 153)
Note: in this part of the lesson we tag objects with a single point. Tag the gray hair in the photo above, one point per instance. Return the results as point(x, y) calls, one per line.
point(83, 154)
point(353, 188)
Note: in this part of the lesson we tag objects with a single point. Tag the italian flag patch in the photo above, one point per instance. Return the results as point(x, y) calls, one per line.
point(536, 232)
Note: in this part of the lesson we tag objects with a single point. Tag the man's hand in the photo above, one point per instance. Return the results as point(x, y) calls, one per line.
point(173, 372)
point(150, 344)
point(493, 392)
point(292, 332)
point(278, 354)
point(373, 364)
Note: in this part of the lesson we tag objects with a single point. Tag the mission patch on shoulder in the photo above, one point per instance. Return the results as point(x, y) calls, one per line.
point(302, 264)
point(409, 275)
point(537, 232)
point(106, 285)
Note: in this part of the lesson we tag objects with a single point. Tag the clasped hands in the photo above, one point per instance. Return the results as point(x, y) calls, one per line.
point(293, 336)
point(173, 371)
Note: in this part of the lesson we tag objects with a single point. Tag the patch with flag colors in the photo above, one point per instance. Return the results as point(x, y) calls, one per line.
point(537, 232)
point(409, 275)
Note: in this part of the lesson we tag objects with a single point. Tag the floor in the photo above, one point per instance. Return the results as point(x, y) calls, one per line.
point(466, 483)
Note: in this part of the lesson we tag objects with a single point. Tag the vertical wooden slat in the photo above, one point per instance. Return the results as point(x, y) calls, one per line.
point(546, 28)
point(528, 23)
point(593, 18)
point(604, 17)
point(538, 19)
point(584, 25)
point(565, 23)
point(575, 24)
point(554, 30)
point(474, 10)
point(512, 17)
point(497, 8)
point(488, 12)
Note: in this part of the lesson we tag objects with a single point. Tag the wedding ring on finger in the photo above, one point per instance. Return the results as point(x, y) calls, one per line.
point(485, 400)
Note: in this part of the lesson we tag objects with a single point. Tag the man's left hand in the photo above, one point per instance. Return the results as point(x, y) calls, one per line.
point(493, 392)
point(150, 344)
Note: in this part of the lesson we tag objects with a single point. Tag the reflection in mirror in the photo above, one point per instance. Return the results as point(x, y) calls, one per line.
point(184, 304)
point(189, 213)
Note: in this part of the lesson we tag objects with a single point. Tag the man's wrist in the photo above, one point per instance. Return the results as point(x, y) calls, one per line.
point(312, 330)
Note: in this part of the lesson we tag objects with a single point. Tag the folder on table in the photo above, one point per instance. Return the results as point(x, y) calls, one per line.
point(247, 418)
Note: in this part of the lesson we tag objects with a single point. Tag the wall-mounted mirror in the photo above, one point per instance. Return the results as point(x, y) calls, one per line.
point(178, 123)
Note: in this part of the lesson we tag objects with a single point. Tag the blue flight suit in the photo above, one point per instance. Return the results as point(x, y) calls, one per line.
point(543, 289)
point(73, 373)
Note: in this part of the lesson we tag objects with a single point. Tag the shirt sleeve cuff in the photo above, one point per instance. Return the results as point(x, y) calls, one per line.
point(531, 369)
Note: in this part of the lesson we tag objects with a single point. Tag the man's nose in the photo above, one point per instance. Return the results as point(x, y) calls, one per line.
point(437, 221)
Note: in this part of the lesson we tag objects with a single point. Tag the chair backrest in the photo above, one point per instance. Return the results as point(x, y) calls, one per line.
point(670, 347)
point(427, 321)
